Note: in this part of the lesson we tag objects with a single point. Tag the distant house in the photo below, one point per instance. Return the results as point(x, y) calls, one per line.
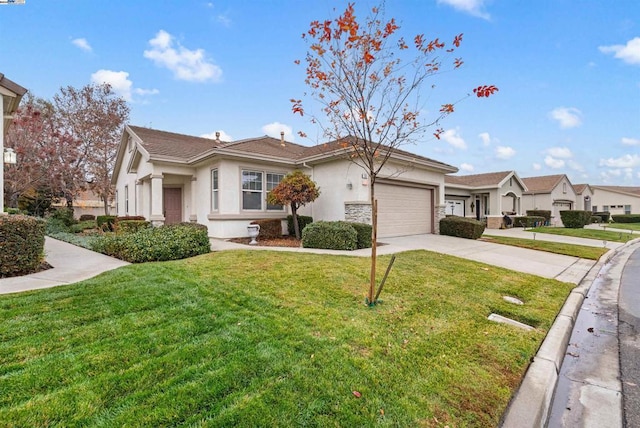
point(584, 197)
point(616, 199)
point(87, 202)
point(550, 192)
point(169, 178)
point(484, 196)
point(10, 96)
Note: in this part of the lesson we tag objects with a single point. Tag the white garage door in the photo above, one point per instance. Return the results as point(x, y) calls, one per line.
point(454, 207)
point(403, 210)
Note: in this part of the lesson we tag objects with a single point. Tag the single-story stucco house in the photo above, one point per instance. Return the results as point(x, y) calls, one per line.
point(549, 192)
point(168, 178)
point(616, 199)
point(584, 197)
point(487, 196)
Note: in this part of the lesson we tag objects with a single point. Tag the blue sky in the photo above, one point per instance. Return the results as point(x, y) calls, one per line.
point(568, 72)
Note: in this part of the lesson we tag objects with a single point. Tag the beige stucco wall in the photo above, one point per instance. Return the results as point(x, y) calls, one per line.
point(580, 203)
point(603, 197)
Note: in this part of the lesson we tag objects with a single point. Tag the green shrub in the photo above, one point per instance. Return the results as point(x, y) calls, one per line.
point(21, 244)
point(12, 211)
point(269, 228)
point(604, 215)
point(528, 221)
point(364, 234)
point(129, 217)
point(330, 235)
point(82, 226)
point(65, 215)
point(626, 218)
point(87, 217)
point(131, 226)
point(596, 219)
point(546, 214)
point(303, 221)
point(55, 225)
point(171, 242)
point(106, 222)
point(461, 227)
point(83, 241)
point(575, 219)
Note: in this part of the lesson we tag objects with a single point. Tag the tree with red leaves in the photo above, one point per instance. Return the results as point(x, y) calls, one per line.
point(296, 190)
point(95, 116)
point(369, 80)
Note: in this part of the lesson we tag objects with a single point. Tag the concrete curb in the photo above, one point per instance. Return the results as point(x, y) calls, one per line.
point(531, 403)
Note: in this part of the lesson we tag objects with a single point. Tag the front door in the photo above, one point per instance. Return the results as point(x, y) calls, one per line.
point(172, 202)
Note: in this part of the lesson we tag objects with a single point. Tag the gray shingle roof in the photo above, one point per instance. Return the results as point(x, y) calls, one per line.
point(542, 184)
point(477, 180)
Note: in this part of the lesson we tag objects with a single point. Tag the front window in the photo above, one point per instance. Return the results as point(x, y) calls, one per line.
point(627, 209)
point(117, 204)
point(214, 190)
point(605, 208)
point(255, 186)
point(126, 200)
point(564, 187)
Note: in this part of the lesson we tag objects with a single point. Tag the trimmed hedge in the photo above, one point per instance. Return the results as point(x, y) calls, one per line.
point(596, 219)
point(172, 242)
point(575, 219)
point(528, 221)
point(546, 214)
point(604, 215)
point(86, 217)
point(131, 226)
point(106, 222)
point(330, 235)
point(461, 227)
point(363, 231)
point(21, 245)
point(303, 221)
point(626, 218)
point(269, 228)
point(65, 215)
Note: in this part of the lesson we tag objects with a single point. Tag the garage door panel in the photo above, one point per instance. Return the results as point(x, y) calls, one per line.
point(403, 210)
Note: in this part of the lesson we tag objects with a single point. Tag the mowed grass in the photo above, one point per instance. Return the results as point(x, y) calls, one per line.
point(582, 251)
point(627, 226)
point(260, 338)
point(602, 235)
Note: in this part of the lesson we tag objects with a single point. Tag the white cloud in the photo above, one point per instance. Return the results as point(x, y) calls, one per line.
point(472, 7)
point(273, 130)
point(630, 141)
point(486, 138)
point(629, 53)
point(190, 65)
point(567, 117)
point(466, 167)
point(537, 167)
point(223, 136)
point(82, 44)
point(559, 152)
point(626, 161)
point(120, 83)
point(452, 137)
point(575, 165)
point(554, 163)
point(504, 152)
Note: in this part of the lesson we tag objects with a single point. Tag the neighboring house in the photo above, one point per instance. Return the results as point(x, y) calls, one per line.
point(484, 196)
point(169, 178)
point(10, 96)
point(550, 192)
point(87, 202)
point(584, 197)
point(616, 199)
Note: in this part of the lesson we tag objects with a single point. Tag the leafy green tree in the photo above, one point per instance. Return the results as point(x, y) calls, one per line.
point(296, 190)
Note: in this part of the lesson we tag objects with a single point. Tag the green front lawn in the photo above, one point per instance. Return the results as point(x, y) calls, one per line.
point(582, 251)
point(260, 338)
point(626, 226)
point(602, 235)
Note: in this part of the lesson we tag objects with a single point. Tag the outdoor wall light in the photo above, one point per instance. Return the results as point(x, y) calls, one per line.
point(9, 156)
point(349, 185)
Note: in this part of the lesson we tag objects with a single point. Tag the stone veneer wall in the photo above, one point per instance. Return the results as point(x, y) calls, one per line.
point(359, 212)
point(440, 213)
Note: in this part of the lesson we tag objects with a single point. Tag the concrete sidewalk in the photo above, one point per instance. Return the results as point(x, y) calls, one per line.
point(70, 264)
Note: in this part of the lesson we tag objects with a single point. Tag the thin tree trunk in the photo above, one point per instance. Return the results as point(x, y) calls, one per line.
point(294, 215)
point(374, 236)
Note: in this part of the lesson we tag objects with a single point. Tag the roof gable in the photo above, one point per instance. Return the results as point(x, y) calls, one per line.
point(543, 184)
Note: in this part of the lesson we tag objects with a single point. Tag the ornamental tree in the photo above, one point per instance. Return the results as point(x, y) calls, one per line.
point(296, 190)
point(369, 81)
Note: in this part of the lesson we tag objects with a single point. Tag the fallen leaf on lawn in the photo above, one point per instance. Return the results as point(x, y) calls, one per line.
point(382, 412)
point(357, 394)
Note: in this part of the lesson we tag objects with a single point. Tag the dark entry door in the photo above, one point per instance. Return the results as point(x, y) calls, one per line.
point(172, 200)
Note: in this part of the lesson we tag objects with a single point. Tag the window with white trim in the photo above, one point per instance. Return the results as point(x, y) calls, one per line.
point(117, 204)
point(605, 208)
point(126, 200)
point(627, 209)
point(214, 190)
point(255, 186)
